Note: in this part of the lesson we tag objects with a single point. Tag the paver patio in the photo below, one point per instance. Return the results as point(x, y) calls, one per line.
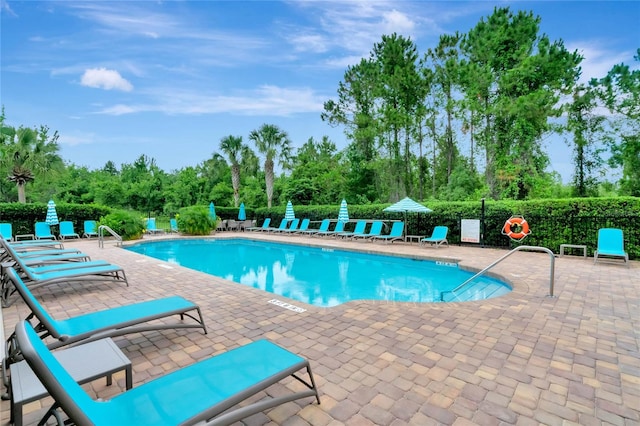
point(524, 358)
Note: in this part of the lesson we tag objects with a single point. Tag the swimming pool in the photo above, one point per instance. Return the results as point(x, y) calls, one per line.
point(321, 276)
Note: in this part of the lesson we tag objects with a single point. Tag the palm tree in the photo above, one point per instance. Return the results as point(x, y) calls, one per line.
point(28, 153)
point(272, 142)
point(233, 147)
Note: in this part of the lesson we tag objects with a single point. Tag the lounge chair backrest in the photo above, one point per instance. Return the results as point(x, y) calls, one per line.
point(304, 225)
point(397, 229)
point(6, 230)
point(50, 324)
point(173, 223)
point(294, 224)
point(90, 227)
point(266, 223)
point(360, 227)
point(611, 240)
point(151, 223)
point(324, 225)
point(66, 228)
point(43, 230)
point(75, 402)
point(283, 224)
point(339, 226)
point(376, 228)
point(439, 232)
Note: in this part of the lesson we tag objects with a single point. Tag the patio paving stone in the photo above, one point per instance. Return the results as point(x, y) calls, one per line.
point(521, 359)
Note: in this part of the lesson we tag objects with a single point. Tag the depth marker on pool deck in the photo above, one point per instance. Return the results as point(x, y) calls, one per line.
point(286, 305)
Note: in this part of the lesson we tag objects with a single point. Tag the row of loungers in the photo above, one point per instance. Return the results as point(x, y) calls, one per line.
point(396, 233)
point(208, 390)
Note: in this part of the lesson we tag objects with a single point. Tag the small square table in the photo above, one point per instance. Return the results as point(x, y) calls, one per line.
point(85, 363)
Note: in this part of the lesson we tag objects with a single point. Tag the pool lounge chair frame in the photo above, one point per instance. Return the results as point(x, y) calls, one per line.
point(90, 229)
point(359, 229)
point(50, 274)
point(67, 230)
point(324, 226)
point(339, 228)
point(374, 231)
point(151, 228)
point(113, 322)
point(206, 391)
point(610, 246)
point(438, 237)
point(43, 231)
point(395, 234)
point(263, 227)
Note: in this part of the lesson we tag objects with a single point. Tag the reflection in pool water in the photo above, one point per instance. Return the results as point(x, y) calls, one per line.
point(320, 276)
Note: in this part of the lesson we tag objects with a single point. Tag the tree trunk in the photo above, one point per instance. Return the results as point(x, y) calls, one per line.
point(268, 180)
point(22, 198)
point(235, 182)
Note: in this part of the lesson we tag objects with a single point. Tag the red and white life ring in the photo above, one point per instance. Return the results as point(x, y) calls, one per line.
point(516, 228)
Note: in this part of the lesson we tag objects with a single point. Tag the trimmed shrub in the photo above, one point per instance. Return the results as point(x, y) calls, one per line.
point(127, 225)
point(195, 221)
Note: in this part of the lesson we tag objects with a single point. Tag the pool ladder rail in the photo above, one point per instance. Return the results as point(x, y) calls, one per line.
point(113, 233)
point(530, 248)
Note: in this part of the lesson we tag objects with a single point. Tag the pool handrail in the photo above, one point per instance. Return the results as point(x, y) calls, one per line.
point(532, 248)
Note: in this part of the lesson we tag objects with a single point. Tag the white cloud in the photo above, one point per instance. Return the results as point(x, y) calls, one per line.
point(77, 138)
point(267, 100)
point(309, 43)
point(102, 78)
point(598, 60)
point(398, 22)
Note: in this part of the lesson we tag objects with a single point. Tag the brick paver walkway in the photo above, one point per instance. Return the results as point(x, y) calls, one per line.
point(524, 358)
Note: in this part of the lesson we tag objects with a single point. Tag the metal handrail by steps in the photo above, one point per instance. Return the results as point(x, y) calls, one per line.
point(531, 248)
point(113, 233)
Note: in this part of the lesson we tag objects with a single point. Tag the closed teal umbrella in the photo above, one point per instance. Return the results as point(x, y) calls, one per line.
point(343, 213)
point(288, 213)
point(52, 215)
point(242, 215)
point(212, 211)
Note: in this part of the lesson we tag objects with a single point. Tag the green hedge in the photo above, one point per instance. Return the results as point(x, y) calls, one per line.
point(552, 222)
point(24, 216)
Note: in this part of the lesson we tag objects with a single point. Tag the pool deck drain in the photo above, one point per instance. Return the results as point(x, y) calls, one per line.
point(523, 358)
point(286, 305)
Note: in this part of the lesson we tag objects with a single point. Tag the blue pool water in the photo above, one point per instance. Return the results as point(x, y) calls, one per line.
point(320, 276)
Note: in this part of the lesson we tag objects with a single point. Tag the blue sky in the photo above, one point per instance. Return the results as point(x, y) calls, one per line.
point(169, 79)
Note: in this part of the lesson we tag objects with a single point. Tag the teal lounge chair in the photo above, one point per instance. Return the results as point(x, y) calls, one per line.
point(283, 225)
point(375, 230)
point(90, 229)
point(264, 227)
point(293, 226)
point(396, 233)
point(151, 226)
point(304, 225)
point(173, 225)
point(610, 245)
point(38, 276)
point(361, 225)
point(118, 321)
point(324, 226)
point(67, 231)
point(338, 229)
point(208, 390)
point(43, 231)
point(6, 231)
point(438, 237)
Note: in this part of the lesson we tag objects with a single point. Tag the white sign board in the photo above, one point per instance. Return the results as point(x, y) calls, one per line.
point(470, 231)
